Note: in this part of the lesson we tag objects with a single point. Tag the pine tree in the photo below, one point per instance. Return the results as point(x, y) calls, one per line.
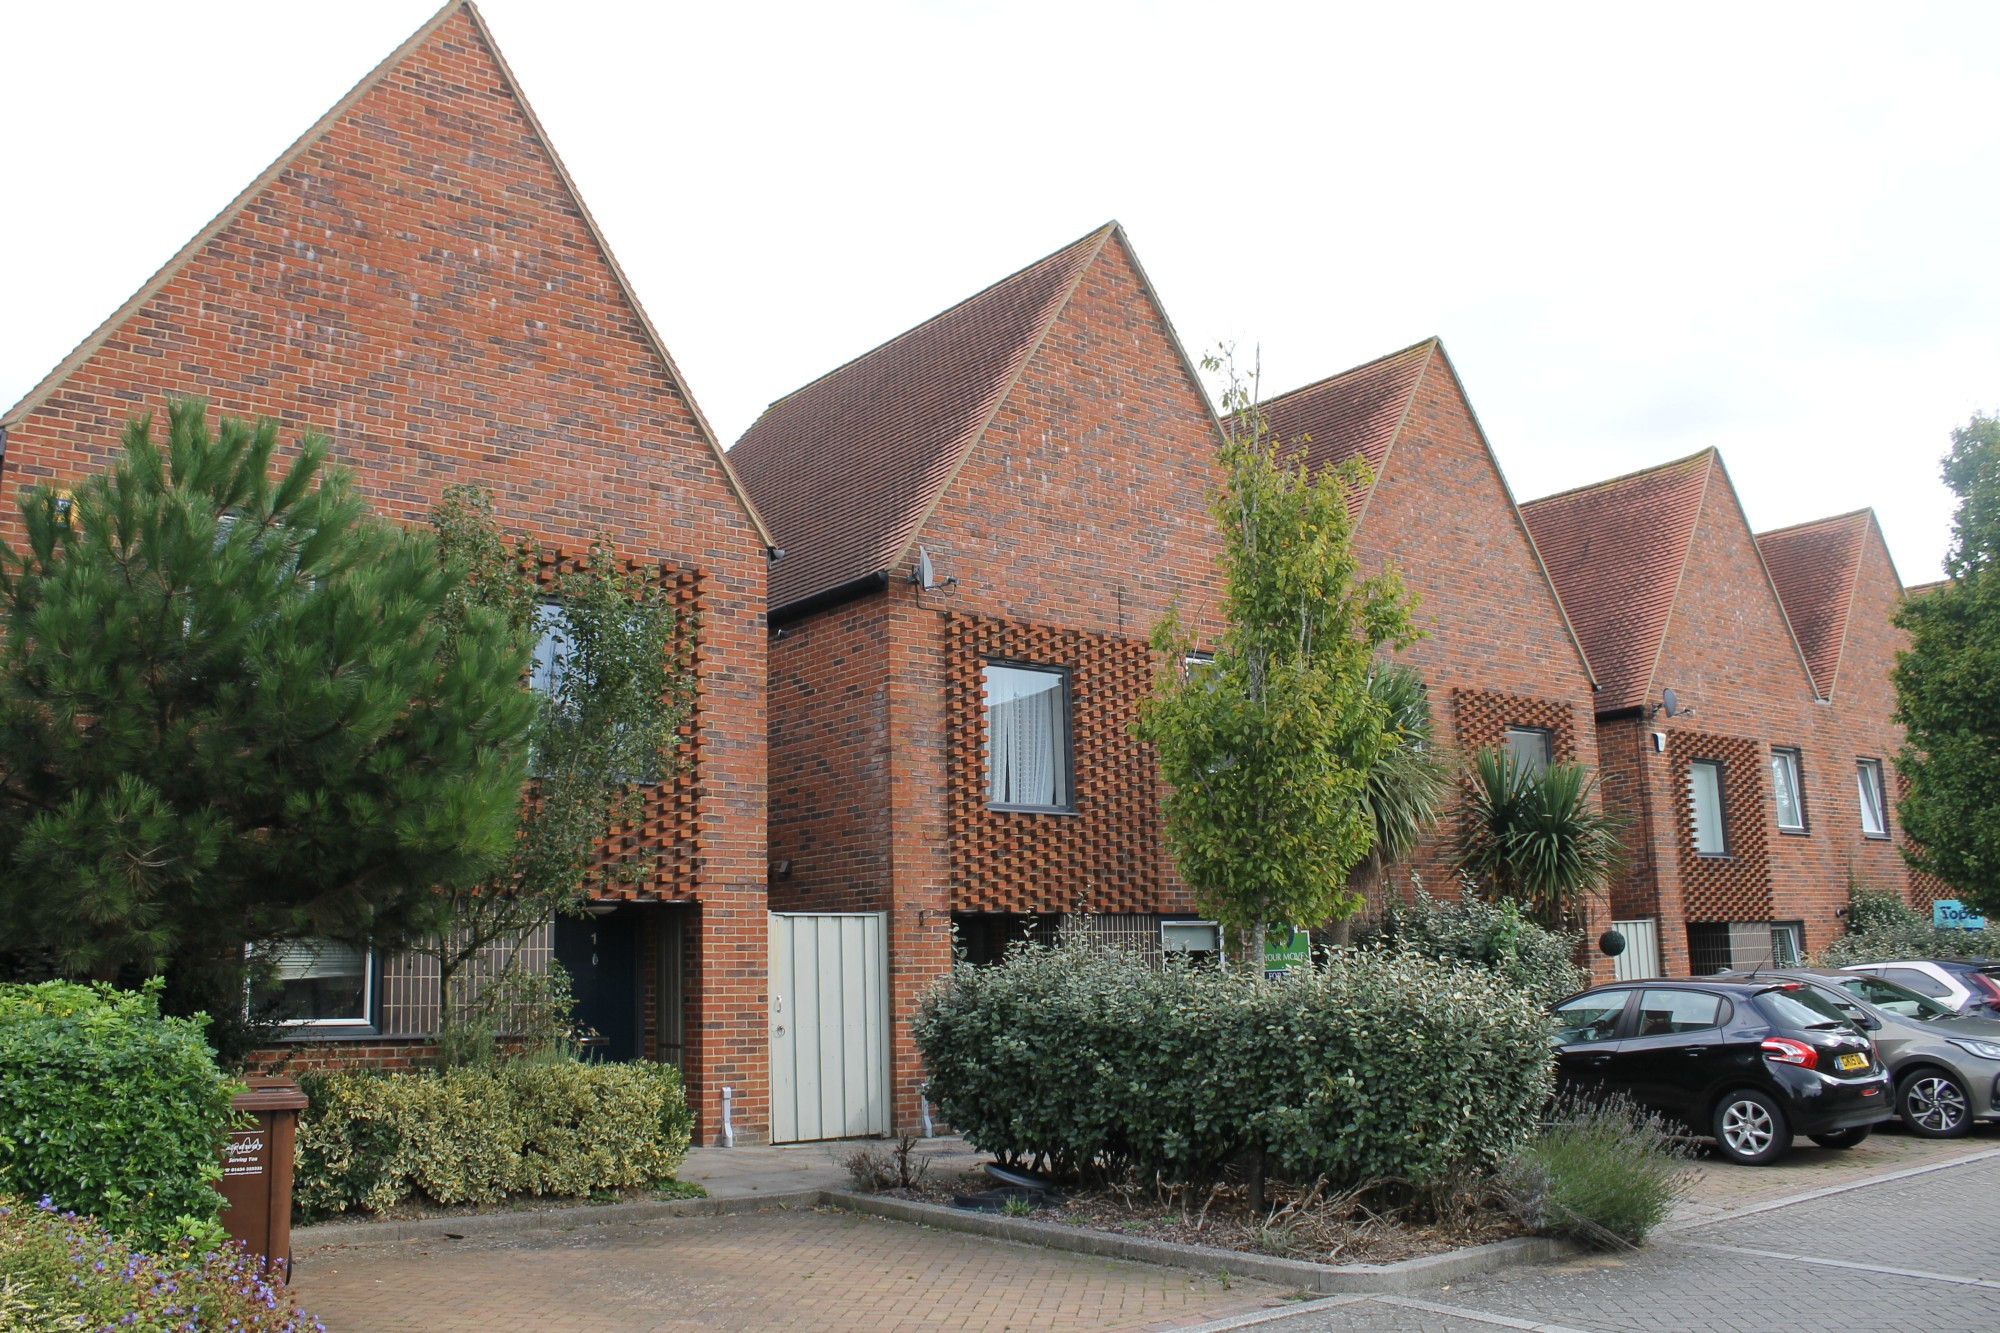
point(230, 711)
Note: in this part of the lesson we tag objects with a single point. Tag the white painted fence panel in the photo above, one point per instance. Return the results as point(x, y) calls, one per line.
point(829, 1025)
point(1641, 959)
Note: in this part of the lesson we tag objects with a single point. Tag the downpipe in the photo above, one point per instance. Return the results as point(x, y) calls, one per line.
point(728, 1129)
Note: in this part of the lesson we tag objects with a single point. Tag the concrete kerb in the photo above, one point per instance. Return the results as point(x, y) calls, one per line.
point(540, 1219)
point(1332, 1279)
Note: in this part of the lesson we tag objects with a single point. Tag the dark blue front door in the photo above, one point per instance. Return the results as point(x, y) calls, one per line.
point(601, 955)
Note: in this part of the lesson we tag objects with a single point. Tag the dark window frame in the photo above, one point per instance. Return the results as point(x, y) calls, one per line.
point(1548, 737)
point(1721, 809)
point(1064, 672)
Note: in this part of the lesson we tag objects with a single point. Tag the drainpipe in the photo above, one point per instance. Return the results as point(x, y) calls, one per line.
point(728, 1130)
point(925, 1103)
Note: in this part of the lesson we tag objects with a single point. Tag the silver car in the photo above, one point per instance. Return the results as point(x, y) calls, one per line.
point(1946, 1068)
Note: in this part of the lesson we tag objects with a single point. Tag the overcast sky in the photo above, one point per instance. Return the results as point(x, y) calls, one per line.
point(1640, 229)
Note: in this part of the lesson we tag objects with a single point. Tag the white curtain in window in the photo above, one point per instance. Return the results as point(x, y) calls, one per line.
point(1705, 787)
point(1027, 765)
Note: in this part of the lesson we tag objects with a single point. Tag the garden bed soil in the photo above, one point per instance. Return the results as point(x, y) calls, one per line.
point(1349, 1228)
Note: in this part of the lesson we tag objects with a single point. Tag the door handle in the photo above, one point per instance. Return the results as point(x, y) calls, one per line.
point(1599, 1060)
point(1692, 1053)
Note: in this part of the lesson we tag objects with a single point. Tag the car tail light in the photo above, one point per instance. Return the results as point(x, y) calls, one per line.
point(1992, 987)
point(1788, 1052)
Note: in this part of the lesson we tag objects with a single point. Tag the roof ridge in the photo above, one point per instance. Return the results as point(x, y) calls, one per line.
point(1633, 475)
point(209, 230)
point(1814, 523)
point(1433, 341)
point(1096, 233)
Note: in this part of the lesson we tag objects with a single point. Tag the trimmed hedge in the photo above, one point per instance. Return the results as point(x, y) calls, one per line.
point(372, 1140)
point(1495, 936)
point(109, 1109)
point(62, 1271)
point(1374, 1065)
point(1882, 928)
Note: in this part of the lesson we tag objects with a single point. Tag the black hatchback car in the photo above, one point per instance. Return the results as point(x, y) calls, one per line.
point(1745, 1061)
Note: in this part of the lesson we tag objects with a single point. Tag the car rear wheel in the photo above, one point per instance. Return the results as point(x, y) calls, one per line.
point(1845, 1138)
point(1750, 1128)
point(1933, 1104)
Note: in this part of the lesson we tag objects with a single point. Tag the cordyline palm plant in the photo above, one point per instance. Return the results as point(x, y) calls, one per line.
point(1407, 787)
point(1536, 838)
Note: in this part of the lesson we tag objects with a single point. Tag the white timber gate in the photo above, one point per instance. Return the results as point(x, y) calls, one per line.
point(829, 1025)
point(1641, 959)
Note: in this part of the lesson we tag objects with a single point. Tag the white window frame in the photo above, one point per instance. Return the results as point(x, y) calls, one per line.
point(366, 1022)
point(1868, 777)
point(1170, 950)
point(1790, 757)
point(1721, 839)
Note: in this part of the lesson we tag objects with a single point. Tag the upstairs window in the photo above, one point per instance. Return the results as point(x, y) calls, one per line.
point(1788, 790)
point(1532, 749)
point(1705, 796)
point(1027, 737)
point(1874, 808)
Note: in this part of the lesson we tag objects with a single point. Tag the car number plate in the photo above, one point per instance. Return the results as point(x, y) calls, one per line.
point(1853, 1061)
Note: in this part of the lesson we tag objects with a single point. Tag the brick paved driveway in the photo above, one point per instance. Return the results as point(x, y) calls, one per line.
point(789, 1269)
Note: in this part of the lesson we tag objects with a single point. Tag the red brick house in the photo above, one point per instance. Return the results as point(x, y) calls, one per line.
point(1743, 787)
point(417, 278)
point(1840, 591)
point(1501, 664)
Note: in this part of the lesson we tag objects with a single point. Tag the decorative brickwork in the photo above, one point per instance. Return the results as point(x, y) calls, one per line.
point(1483, 716)
point(1108, 856)
point(1735, 887)
point(1921, 888)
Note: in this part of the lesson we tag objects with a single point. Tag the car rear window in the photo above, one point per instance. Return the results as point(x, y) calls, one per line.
point(1799, 1009)
point(1887, 995)
point(1921, 982)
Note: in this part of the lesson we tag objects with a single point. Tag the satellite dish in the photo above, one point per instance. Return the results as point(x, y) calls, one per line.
point(1671, 700)
point(924, 576)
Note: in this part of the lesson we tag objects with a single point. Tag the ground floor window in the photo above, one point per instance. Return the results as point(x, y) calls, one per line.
point(1743, 946)
point(315, 983)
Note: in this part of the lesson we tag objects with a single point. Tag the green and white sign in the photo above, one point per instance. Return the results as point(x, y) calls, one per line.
point(1284, 950)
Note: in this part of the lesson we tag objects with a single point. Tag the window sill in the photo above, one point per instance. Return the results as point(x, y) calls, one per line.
point(1876, 837)
point(1794, 832)
point(296, 1033)
point(1715, 856)
point(1033, 809)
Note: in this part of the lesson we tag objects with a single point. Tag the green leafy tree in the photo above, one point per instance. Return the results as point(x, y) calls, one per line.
point(1948, 686)
point(1537, 838)
point(1408, 784)
point(229, 712)
point(1267, 749)
point(612, 688)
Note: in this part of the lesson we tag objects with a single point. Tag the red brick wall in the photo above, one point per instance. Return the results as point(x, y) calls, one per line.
point(418, 283)
point(830, 759)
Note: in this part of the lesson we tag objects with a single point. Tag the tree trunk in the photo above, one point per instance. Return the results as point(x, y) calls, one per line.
point(1340, 932)
point(1257, 1186)
point(1253, 949)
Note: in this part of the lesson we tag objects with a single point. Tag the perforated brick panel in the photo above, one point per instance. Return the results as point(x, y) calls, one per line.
point(1736, 887)
point(670, 819)
point(1922, 889)
point(1107, 857)
point(1482, 717)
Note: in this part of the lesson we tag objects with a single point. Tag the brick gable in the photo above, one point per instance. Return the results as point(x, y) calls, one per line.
point(417, 280)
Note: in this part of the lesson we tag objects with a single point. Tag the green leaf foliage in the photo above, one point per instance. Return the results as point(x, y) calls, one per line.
point(1408, 785)
point(1267, 749)
point(1537, 839)
point(229, 713)
point(109, 1109)
point(1602, 1173)
point(610, 706)
point(62, 1271)
point(1948, 687)
point(373, 1140)
point(1372, 1065)
point(1883, 928)
point(1495, 936)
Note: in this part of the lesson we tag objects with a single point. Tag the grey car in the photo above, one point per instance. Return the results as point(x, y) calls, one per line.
point(1946, 1068)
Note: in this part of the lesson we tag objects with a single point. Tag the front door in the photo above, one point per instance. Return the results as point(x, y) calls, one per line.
point(601, 955)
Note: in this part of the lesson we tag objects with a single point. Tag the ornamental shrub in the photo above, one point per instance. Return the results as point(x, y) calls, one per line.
point(109, 1109)
point(59, 1270)
point(1882, 928)
point(1604, 1173)
point(478, 1134)
point(1494, 935)
point(1371, 1065)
